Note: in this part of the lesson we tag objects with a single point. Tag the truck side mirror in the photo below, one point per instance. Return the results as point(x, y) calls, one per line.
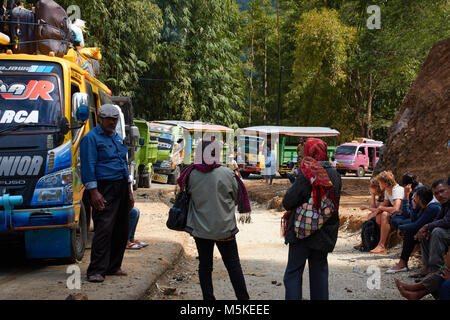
point(135, 133)
point(80, 105)
point(141, 141)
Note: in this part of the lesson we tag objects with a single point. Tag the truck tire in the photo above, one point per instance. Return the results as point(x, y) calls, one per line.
point(360, 172)
point(146, 180)
point(78, 237)
point(135, 181)
point(174, 176)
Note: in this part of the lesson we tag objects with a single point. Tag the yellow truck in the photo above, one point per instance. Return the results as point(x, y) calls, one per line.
point(47, 105)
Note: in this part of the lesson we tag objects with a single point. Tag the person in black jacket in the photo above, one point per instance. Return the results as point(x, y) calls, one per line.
point(314, 248)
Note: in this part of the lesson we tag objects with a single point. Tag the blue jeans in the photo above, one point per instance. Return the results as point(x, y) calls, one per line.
point(134, 218)
point(398, 221)
point(444, 290)
point(318, 273)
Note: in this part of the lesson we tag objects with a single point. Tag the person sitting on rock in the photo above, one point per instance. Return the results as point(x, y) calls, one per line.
point(393, 195)
point(405, 216)
point(133, 243)
point(436, 283)
point(435, 236)
point(376, 199)
point(429, 208)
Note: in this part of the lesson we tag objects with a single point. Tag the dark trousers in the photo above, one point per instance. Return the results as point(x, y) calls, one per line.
point(230, 256)
point(398, 221)
point(408, 245)
point(111, 228)
point(318, 272)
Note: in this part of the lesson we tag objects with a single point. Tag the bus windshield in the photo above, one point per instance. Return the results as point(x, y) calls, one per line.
point(29, 99)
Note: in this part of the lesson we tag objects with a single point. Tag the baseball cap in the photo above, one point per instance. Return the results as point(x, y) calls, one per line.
point(108, 111)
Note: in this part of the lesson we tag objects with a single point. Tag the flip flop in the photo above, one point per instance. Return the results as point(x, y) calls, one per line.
point(378, 251)
point(391, 270)
point(141, 243)
point(134, 246)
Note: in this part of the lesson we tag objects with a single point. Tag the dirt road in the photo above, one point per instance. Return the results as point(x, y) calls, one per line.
point(263, 257)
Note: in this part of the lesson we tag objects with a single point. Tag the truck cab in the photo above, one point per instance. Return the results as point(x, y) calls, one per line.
point(47, 105)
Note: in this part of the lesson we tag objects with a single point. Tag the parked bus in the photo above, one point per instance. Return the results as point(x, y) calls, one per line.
point(286, 147)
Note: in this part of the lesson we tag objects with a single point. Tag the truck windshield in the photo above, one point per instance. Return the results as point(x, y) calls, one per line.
point(165, 142)
point(346, 150)
point(30, 99)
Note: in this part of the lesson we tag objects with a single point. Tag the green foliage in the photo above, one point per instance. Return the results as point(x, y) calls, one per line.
point(207, 60)
point(126, 32)
point(198, 73)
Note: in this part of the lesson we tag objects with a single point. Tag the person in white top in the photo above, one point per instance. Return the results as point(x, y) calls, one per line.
point(393, 195)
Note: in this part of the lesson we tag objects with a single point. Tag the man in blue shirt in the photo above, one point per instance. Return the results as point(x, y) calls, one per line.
point(104, 172)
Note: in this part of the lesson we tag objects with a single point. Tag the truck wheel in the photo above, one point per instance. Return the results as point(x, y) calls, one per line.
point(360, 172)
point(135, 181)
point(146, 180)
point(173, 177)
point(245, 175)
point(78, 237)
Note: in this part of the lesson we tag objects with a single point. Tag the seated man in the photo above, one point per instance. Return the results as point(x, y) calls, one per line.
point(393, 195)
point(428, 211)
point(132, 243)
point(435, 236)
point(436, 283)
point(404, 215)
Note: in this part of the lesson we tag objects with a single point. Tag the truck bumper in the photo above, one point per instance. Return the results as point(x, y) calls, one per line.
point(46, 230)
point(42, 218)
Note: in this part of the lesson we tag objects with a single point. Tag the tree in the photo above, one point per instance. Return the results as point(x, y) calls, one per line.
point(127, 33)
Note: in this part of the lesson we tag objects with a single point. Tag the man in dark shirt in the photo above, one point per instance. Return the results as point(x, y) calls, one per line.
point(104, 172)
point(435, 236)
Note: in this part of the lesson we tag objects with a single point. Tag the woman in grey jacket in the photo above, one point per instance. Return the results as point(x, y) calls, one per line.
point(213, 191)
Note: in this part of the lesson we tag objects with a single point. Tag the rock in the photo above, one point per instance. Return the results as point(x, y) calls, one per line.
point(77, 296)
point(423, 113)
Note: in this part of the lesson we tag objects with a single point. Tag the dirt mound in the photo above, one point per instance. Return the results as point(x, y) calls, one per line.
point(418, 138)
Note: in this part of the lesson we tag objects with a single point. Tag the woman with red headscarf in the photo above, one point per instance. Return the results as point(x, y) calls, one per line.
point(316, 179)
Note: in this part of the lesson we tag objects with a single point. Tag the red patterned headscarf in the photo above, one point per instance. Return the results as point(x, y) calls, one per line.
point(315, 151)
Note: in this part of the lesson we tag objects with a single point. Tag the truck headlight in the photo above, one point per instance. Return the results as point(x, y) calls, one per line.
point(54, 188)
point(49, 195)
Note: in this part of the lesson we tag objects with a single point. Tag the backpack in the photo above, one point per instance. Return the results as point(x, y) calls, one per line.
point(23, 28)
point(370, 235)
point(309, 219)
point(53, 32)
